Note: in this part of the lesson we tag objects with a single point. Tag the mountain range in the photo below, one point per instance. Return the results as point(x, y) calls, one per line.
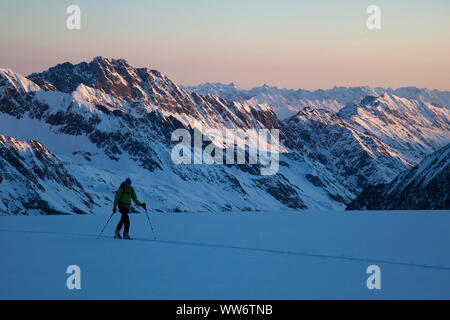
point(69, 135)
point(287, 102)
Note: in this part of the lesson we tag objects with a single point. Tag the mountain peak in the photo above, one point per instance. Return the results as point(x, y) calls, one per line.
point(113, 76)
point(17, 81)
point(110, 61)
point(100, 59)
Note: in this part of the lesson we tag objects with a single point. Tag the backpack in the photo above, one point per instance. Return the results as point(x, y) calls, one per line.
point(122, 185)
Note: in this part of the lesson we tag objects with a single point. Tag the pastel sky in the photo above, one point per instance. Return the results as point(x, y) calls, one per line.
point(287, 43)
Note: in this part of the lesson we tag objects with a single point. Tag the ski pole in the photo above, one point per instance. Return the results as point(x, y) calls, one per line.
point(101, 232)
point(148, 218)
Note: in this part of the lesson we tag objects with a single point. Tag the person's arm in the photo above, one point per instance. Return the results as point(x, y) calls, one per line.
point(118, 195)
point(133, 196)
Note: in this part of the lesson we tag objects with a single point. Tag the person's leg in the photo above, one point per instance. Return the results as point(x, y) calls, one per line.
point(125, 218)
point(120, 224)
point(127, 223)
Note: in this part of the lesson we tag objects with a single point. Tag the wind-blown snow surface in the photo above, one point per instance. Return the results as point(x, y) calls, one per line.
point(273, 255)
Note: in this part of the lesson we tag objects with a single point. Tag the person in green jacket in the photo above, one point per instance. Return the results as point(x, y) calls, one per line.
point(123, 198)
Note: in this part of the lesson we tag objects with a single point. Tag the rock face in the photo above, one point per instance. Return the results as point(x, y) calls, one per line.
point(106, 120)
point(424, 187)
point(413, 128)
point(360, 158)
point(140, 90)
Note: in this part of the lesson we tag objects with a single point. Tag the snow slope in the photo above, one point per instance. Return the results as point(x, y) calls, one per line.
point(412, 128)
point(357, 156)
point(266, 255)
point(426, 186)
point(34, 180)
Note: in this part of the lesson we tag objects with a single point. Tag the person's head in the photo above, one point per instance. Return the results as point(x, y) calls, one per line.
point(128, 182)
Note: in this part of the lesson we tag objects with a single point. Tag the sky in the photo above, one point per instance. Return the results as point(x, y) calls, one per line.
point(286, 43)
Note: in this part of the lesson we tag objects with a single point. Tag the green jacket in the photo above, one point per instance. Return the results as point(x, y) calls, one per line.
point(124, 196)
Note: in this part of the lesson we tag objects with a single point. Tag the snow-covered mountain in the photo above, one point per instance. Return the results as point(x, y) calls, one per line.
point(373, 141)
point(412, 128)
point(138, 91)
point(365, 135)
point(32, 179)
point(359, 157)
point(426, 186)
point(383, 133)
point(105, 120)
point(287, 102)
point(104, 133)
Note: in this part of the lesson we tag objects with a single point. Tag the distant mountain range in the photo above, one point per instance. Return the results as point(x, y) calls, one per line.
point(287, 102)
point(71, 134)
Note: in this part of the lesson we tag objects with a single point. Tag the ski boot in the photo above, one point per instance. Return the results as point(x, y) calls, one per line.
point(126, 236)
point(117, 234)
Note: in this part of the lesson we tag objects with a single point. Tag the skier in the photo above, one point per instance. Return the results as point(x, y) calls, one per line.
point(123, 199)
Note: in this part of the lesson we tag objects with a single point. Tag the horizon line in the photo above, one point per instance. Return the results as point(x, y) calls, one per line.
point(234, 82)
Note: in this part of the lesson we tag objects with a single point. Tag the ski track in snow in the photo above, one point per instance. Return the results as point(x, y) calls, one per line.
point(265, 255)
point(219, 246)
